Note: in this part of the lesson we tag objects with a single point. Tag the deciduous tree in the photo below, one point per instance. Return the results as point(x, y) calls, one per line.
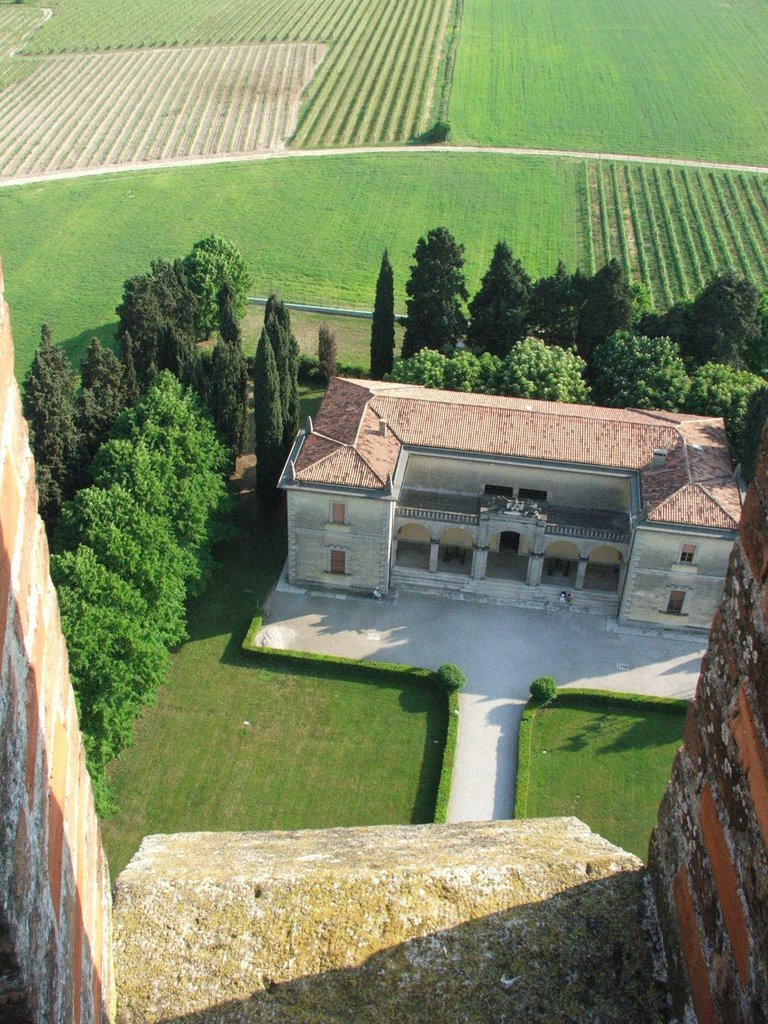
point(535, 370)
point(213, 261)
point(639, 372)
point(719, 390)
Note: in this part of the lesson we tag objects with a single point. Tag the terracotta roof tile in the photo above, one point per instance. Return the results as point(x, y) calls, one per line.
point(348, 448)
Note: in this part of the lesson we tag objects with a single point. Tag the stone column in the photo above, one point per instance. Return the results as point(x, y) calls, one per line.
point(393, 558)
point(535, 567)
point(434, 547)
point(581, 571)
point(479, 562)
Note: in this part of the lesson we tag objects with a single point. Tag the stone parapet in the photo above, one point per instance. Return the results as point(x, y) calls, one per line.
point(54, 886)
point(526, 921)
point(709, 852)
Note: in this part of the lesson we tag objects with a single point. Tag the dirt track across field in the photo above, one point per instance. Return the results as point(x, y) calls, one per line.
point(442, 150)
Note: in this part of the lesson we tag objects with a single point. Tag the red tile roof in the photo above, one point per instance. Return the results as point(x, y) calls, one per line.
point(347, 446)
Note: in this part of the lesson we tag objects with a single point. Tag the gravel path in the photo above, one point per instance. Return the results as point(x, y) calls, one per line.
point(442, 150)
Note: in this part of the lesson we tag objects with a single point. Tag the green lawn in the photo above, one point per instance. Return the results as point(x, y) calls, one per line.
point(665, 79)
point(605, 764)
point(317, 751)
point(353, 335)
point(314, 229)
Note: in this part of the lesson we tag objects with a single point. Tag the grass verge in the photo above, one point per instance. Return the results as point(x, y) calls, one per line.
point(373, 671)
point(603, 757)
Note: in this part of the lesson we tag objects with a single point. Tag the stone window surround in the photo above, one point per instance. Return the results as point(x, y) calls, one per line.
point(344, 552)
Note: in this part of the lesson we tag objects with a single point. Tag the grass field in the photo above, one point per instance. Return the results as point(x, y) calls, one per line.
point(615, 76)
point(674, 228)
point(313, 229)
point(378, 80)
point(603, 764)
point(316, 752)
point(100, 109)
point(353, 335)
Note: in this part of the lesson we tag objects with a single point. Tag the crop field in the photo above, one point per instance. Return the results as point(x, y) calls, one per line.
point(102, 109)
point(686, 79)
point(676, 227)
point(376, 84)
point(313, 229)
point(16, 24)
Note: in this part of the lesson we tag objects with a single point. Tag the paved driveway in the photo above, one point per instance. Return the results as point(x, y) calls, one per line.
point(500, 649)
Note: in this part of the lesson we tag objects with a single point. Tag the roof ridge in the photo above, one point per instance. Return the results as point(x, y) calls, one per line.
point(567, 407)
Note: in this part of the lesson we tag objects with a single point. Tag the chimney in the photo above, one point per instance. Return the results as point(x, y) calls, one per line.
point(659, 458)
point(382, 427)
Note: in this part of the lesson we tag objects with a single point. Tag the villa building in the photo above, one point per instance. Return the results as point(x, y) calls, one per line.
point(629, 512)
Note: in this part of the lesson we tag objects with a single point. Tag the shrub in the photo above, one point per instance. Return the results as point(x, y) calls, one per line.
point(543, 689)
point(450, 678)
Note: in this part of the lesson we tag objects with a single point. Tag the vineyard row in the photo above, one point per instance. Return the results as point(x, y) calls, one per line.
point(674, 228)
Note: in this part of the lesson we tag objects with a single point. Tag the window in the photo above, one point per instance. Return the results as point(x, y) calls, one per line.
point(687, 553)
point(504, 492)
point(675, 602)
point(338, 561)
point(530, 494)
point(338, 512)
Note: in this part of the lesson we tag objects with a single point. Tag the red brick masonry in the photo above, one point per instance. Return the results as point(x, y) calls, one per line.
point(55, 962)
point(709, 852)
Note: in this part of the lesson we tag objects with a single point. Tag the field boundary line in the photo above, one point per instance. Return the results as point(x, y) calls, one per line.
point(286, 154)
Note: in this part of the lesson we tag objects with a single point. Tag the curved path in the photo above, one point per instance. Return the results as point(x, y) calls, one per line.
point(285, 154)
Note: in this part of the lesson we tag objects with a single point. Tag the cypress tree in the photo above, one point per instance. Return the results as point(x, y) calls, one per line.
point(228, 396)
point(270, 454)
point(100, 400)
point(130, 381)
point(499, 313)
point(277, 324)
point(229, 325)
point(435, 290)
point(326, 351)
point(383, 326)
point(607, 308)
point(555, 307)
point(49, 407)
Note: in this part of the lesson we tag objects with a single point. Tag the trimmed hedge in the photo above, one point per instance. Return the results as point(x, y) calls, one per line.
point(577, 698)
point(449, 756)
point(374, 671)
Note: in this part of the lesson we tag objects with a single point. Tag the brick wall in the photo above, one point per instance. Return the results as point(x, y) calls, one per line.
point(55, 964)
point(709, 852)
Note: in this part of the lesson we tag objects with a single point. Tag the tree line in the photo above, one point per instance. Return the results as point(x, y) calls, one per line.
point(132, 459)
point(577, 338)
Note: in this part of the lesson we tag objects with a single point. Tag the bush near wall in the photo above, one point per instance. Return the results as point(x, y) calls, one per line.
point(378, 672)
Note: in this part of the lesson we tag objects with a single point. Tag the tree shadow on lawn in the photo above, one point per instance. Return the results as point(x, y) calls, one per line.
point(76, 346)
point(656, 729)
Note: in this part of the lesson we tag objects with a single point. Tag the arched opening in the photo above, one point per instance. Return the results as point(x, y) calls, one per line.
point(508, 556)
point(561, 563)
point(603, 569)
point(455, 551)
point(413, 541)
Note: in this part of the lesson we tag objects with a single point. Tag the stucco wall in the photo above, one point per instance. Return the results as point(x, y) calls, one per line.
point(470, 476)
point(364, 537)
point(655, 569)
